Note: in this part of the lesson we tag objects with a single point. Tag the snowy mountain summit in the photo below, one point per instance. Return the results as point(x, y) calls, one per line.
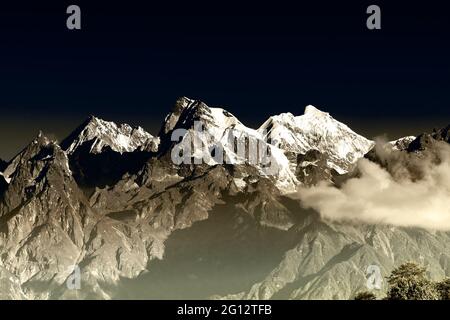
point(187, 111)
point(100, 134)
point(287, 136)
point(317, 130)
point(223, 128)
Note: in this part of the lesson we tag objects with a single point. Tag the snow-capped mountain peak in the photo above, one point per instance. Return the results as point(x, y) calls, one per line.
point(402, 143)
point(40, 149)
point(310, 110)
point(187, 111)
point(317, 130)
point(220, 127)
point(100, 134)
point(285, 134)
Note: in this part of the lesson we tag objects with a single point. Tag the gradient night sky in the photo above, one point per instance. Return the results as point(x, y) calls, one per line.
point(130, 62)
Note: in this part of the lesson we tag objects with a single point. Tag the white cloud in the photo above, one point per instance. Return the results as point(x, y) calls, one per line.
point(413, 190)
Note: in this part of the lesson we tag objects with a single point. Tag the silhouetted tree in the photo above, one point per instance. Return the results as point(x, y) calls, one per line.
point(409, 282)
point(365, 295)
point(443, 289)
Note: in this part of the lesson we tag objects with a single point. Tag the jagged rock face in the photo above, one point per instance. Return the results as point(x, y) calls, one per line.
point(43, 217)
point(186, 202)
point(406, 156)
point(188, 195)
point(426, 140)
point(29, 172)
point(10, 286)
point(312, 168)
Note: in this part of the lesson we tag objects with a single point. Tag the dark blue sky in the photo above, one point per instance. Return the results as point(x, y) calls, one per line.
point(131, 61)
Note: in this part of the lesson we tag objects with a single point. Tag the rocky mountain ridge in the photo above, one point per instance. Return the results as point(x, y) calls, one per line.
point(140, 226)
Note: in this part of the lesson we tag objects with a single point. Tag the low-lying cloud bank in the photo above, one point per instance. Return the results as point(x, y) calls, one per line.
point(410, 190)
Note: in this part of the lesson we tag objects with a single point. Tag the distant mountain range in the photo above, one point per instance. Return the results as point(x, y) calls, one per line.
point(110, 200)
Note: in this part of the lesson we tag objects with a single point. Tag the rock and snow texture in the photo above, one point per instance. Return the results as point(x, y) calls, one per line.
point(100, 134)
point(285, 135)
point(272, 149)
point(317, 130)
point(238, 143)
point(21, 159)
point(402, 143)
point(233, 223)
